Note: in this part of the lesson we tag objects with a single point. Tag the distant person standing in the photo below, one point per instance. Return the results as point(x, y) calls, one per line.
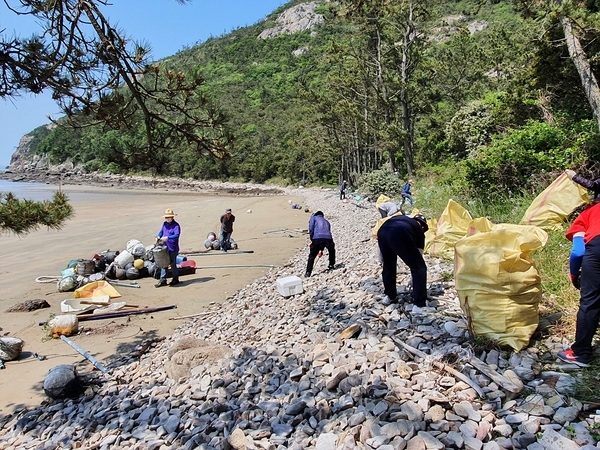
point(343, 188)
point(169, 236)
point(407, 194)
point(227, 220)
point(319, 230)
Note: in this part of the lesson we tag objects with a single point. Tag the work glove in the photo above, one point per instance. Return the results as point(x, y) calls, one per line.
point(570, 173)
point(162, 240)
point(575, 280)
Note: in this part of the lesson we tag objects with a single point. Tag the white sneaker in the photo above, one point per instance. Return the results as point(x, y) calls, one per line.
point(387, 301)
point(416, 310)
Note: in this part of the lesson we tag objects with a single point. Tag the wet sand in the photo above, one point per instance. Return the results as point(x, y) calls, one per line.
point(107, 218)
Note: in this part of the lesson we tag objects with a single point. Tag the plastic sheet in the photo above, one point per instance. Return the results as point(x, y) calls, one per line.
point(96, 289)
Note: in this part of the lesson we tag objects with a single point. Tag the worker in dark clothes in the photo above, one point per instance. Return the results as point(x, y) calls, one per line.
point(404, 237)
point(584, 273)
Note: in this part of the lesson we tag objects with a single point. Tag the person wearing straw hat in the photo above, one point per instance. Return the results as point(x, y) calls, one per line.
point(169, 236)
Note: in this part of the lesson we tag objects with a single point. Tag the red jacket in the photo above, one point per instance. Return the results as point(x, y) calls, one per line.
point(588, 222)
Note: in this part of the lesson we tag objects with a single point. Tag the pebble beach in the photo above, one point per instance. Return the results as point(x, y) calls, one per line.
point(329, 368)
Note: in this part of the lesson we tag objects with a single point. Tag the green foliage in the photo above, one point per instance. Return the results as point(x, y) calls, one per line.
point(380, 182)
point(469, 129)
point(505, 167)
point(24, 216)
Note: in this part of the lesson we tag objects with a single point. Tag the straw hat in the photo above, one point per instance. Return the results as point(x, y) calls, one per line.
point(169, 213)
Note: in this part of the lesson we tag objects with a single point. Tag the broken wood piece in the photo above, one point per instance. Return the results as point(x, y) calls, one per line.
point(91, 302)
point(441, 365)
point(111, 315)
point(497, 378)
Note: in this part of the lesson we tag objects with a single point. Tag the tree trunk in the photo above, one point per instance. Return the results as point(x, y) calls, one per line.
point(579, 58)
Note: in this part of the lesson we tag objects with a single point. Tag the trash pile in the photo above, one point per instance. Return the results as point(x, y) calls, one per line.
point(212, 243)
point(136, 261)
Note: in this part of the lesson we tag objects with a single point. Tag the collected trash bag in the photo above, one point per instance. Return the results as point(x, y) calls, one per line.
point(96, 277)
point(216, 245)
point(67, 283)
point(150, 267)
point(123, 258)
point(232, 244)
point(452, 225)
point(132, 273)
point(555, 204)
point(63, 325)
point(110, 272)
point(109, 256)
point(498, 284)
point(136, 248)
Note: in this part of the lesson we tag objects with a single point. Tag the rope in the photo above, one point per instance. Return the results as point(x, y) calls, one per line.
point(48, 279)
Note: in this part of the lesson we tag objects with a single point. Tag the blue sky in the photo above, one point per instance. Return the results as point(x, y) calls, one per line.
point(166, 24)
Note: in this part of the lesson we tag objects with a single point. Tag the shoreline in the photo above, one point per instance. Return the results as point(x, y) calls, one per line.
point(78, 178)
point(109, 220)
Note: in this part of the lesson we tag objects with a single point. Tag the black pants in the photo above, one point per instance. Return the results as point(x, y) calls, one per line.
point(316, 246)
point(589, 303)
point(342, 195)
point(396, 241)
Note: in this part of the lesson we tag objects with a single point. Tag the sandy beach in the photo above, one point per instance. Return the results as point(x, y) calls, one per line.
point(107, 218)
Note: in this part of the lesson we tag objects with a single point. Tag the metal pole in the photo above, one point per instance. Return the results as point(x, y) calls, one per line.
point(96, 364)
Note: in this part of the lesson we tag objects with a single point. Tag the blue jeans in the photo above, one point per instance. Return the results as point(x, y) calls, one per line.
point(410, 199)
point(174, 269)
point(225, 240)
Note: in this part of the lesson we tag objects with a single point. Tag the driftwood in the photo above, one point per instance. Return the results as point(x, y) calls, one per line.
point(91, 302)
point(441, 365)
point(218, 252)
point(190, 316)
point(497, 378)
point(83, 317)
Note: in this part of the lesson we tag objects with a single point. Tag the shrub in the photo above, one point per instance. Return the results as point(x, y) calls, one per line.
point(380, 182)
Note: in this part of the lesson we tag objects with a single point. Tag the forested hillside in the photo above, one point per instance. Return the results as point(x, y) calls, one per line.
point(486, 90)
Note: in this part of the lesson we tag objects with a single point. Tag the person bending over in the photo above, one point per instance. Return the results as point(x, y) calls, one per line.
point(319, 230)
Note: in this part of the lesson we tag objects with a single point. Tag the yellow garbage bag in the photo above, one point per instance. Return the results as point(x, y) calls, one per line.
point(96, 289)
point(381, 200)
point(498, 284)
point(555, 204)
point(452, 225)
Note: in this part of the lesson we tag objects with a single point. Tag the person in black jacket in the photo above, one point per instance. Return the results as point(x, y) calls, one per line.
point(593, 185)
point(404, 236)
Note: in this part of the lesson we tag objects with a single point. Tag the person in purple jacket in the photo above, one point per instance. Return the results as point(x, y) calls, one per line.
point(169, 236)
point(319, 230)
